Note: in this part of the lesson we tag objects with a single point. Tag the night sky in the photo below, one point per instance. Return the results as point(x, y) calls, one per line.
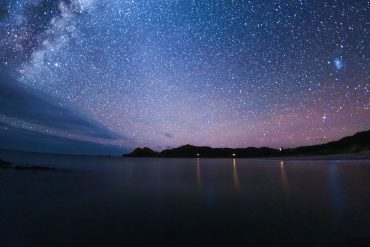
point(165, 73)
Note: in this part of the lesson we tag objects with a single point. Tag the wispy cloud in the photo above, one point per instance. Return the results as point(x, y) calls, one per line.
point(168, 135)
point(22, 108)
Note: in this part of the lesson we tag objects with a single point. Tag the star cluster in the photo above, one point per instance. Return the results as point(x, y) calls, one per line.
point(221, 73)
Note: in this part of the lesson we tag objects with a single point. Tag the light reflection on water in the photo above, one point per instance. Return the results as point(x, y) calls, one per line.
point(284, 179)
point(335, 186)
point(110, 200)
point(235, 176)
point(199, 175)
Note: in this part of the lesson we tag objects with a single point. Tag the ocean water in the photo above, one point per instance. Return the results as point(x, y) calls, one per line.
point(111, 201)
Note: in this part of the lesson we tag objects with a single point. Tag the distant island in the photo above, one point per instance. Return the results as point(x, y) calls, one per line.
point(360, 142)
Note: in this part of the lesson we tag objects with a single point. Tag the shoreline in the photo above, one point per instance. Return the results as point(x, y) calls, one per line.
point(345, 156)
point(338, 157)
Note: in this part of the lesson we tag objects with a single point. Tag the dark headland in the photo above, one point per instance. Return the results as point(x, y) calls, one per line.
point(358, 143)
point(8, 165)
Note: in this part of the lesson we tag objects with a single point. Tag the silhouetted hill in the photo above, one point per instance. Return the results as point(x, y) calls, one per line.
point(142, 152)
point(352, 144)
point(193, 151)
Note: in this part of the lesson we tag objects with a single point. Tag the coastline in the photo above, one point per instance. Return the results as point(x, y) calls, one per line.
point(7, 154)
point(344, 156)
point(334, 157)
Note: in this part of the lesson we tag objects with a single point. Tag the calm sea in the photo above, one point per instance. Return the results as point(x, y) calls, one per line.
point(108, 201)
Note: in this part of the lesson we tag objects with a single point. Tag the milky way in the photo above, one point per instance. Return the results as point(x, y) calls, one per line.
point(217, 73)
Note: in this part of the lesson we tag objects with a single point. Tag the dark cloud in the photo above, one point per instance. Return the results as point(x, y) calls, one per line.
point(25, 140)
point(25, 105)
point(168, 135)
point(19, 102)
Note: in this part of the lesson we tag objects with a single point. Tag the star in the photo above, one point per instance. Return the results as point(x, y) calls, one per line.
point(166, 73)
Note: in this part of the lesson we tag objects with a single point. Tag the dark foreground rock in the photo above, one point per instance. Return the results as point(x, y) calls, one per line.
point(34, 168)
point(5, 164)
point(9, 165)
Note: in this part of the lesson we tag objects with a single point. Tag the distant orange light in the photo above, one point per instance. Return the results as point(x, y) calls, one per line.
point(234, 155)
